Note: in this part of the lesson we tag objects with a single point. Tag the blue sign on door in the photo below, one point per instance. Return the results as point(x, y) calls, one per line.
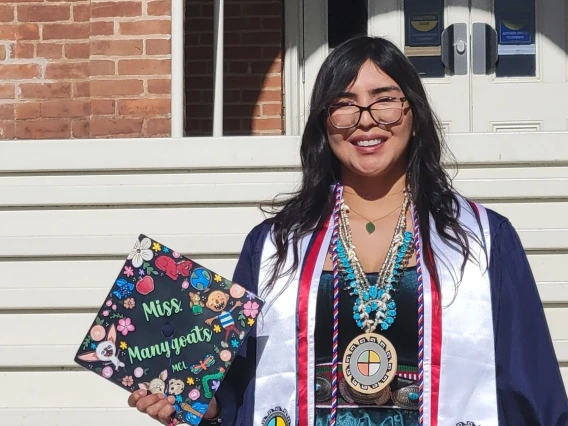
point(515, 31)
point(424, 30)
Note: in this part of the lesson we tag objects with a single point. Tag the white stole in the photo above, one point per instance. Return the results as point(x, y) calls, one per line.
point(458, 357)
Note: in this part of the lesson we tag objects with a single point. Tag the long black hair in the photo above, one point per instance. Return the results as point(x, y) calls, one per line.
point(307, 209)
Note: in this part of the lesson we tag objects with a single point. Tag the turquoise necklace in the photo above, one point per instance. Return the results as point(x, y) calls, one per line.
point(376, 298)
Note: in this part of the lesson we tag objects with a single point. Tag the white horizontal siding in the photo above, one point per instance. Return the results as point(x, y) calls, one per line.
point(70, 211)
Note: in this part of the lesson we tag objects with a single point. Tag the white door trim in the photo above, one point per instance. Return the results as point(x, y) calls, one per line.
point(293, 86)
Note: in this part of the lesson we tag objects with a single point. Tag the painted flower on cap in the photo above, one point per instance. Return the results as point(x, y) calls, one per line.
point(125, 326)
point(251, 309)
point(129, 303)
point(141, 252)
point(107, 372)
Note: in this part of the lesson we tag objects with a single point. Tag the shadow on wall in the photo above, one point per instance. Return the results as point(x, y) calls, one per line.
point(253, 85)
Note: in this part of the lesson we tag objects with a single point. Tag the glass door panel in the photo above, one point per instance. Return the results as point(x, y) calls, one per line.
point(524, 85)
point(434, 35)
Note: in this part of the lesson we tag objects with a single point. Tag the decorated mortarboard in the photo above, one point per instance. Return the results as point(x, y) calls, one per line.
point(169, 325)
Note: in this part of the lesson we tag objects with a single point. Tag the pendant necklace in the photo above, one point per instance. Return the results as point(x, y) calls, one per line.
point(370, 225)
point(370, 360)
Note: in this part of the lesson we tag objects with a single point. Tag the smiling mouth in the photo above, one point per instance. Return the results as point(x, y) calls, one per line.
point(372, 142)
point(220, 306)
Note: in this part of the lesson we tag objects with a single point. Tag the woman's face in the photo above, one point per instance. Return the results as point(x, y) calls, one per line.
point(370, 149)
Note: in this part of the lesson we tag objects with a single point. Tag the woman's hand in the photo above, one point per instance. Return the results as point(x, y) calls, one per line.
point(160, 408)
point(156, 405)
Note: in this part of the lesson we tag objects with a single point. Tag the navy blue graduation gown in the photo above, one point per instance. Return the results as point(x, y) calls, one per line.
point(530, 391)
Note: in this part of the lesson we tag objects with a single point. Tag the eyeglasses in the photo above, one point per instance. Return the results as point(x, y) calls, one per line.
point(346, 115)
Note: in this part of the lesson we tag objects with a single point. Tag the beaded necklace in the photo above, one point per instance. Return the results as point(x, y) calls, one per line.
point(373, 298)
point(370, 299)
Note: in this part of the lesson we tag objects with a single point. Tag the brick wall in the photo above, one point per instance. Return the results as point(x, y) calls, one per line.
point(253, 67)
point(78, 69)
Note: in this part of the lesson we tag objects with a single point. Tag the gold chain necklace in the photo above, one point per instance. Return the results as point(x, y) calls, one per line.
point(370, 225)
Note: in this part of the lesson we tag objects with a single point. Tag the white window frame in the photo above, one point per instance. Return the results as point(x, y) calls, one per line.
point(177, 71)
point(294, 98)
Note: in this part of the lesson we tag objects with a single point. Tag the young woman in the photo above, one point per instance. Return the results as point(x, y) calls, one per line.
point(390, 299)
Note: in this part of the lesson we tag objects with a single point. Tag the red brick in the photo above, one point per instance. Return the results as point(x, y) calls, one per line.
point(143, 66)
point(116, 9)
point(28, 110)
point(77, 51)
point(43, 129)
point(160, 86)
point(81, 12)
point(81, 89)
point(44, 13)
point(116, 87)
point(141, 27)
point(144, 107)
point(158, 47)
point(117, 47)
point(66, 31)
point(19, 32)
point(158, 127)
point(6, 111)
point(45, 90)
point(102, 67)
point(65, 108)
point(3, 53)
point(160, 8)
point(24, 50)
point(49, 50)
point(7, 130)
point(102, 28)
point(262, 124)
point(272, 109)
point(102, 106)
point(272, 81)
point(19, 71)
point(6, 13)
point(116, 126)
point(59, 71)
point(80, 129)
point(7, 91)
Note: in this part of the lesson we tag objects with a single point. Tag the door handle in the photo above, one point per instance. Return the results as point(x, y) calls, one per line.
point(484, 52)
point(454, 48)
